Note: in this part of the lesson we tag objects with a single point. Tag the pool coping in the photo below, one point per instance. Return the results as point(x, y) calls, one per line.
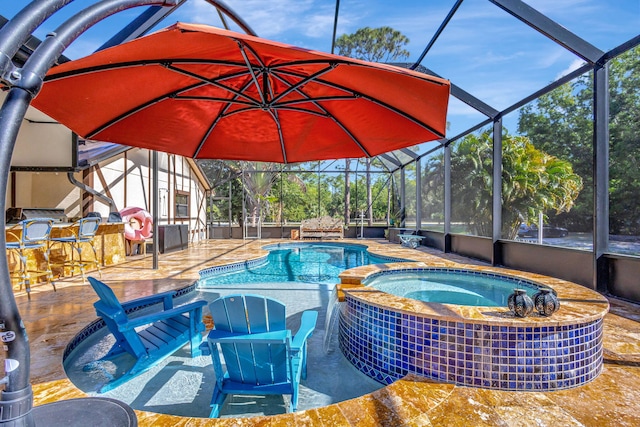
point(577, 303)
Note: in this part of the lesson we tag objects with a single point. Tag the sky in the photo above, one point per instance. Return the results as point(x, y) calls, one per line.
point(483, 50)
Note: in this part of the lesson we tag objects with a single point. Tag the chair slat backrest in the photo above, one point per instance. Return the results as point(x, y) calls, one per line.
point(36, 230)
point(108, 302)
point(258, 363)
point(87, 227)
point(253, 362)
point(248, 314)
point(109, 308)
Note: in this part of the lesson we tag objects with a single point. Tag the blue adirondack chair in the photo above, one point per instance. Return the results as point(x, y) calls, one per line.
point(261, 356)
point(151, 337)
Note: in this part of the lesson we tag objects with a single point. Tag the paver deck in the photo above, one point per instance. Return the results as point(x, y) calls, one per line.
point(613, 399)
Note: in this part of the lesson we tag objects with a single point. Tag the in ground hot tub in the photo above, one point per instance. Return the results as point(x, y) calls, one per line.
point(388, 336)
point(451, 286)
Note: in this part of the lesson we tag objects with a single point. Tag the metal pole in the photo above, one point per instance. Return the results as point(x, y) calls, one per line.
point(496, 233)
point(418, 194)
point(447, 198)
point(16, 343)
point(16, 400)
point(154, 207)
point(403, 198)
point(335, 26)
point(17, 31)
point(230, 216)
point(601, 177)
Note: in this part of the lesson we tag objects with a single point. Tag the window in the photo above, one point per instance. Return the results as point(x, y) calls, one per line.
point(182, 204)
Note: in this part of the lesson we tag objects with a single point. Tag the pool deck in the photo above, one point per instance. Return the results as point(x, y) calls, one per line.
point(52, 319)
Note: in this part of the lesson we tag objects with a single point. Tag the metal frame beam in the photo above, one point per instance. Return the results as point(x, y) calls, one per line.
point(141, 24)
point(550, 29)
point(496, 234)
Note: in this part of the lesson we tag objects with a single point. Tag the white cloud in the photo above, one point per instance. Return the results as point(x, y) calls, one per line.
point(270, 19)
point(575, 64)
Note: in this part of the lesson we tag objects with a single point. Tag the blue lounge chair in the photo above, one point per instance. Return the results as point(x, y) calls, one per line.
point(151, 337)
point(261, 357)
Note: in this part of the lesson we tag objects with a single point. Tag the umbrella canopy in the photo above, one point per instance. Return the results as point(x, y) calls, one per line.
point(203, 92)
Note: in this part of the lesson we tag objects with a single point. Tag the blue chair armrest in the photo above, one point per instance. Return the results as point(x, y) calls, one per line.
point(154, 317)
point(275, 337)
point(307, 325)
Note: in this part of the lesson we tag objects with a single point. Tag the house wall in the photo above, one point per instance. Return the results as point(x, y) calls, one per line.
point(43, 190)
point(126, 179)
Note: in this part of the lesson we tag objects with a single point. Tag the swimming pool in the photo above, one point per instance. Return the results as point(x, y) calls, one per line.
point(294, 262)
point(450, 286)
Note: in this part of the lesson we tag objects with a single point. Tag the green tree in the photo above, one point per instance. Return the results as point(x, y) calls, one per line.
point(532, 181)
point(221, 175)
point(561, 124)
point(382, 44)
point(624, 140)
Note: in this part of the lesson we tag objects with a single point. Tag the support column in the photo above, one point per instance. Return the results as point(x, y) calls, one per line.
point(496, 234)
point(403, 198)
point(447, 198)
point(601, 177)
point(418, 195)
point(154, 206)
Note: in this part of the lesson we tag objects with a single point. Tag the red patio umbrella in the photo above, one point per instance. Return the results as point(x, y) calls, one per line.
point(203, 92)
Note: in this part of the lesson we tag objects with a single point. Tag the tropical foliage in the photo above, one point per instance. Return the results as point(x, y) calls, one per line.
point(532, 182)
point(561, 124)
point(279, 196)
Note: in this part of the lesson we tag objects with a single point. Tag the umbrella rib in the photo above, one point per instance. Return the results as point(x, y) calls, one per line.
point(131, 64)
point(374, 100)
point(350, 62)
point(250, 69)
point(137, 108)
point(213, 82)
point(309, 99)
point(215, 122)
point(266, 90)
point(309, 78)
point(274, 114)
point(213, 99)
point(317, 99)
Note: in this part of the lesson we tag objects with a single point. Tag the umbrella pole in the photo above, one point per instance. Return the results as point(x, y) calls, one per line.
point(16, 400)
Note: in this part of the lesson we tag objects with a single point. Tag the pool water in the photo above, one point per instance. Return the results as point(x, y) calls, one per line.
point(461, 287)
point(302, 262)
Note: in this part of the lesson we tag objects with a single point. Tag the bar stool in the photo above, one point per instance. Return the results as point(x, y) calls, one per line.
point(86, 231)
point(34, 236)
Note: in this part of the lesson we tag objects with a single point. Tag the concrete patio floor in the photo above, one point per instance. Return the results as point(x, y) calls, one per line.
point(52, 319)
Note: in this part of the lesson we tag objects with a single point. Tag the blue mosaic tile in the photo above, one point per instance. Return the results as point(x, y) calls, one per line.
point(386, 345)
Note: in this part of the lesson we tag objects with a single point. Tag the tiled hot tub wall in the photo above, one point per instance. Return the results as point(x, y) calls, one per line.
point(387, 344)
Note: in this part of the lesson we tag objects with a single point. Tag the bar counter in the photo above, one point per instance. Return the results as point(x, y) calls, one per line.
point(109, 242)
